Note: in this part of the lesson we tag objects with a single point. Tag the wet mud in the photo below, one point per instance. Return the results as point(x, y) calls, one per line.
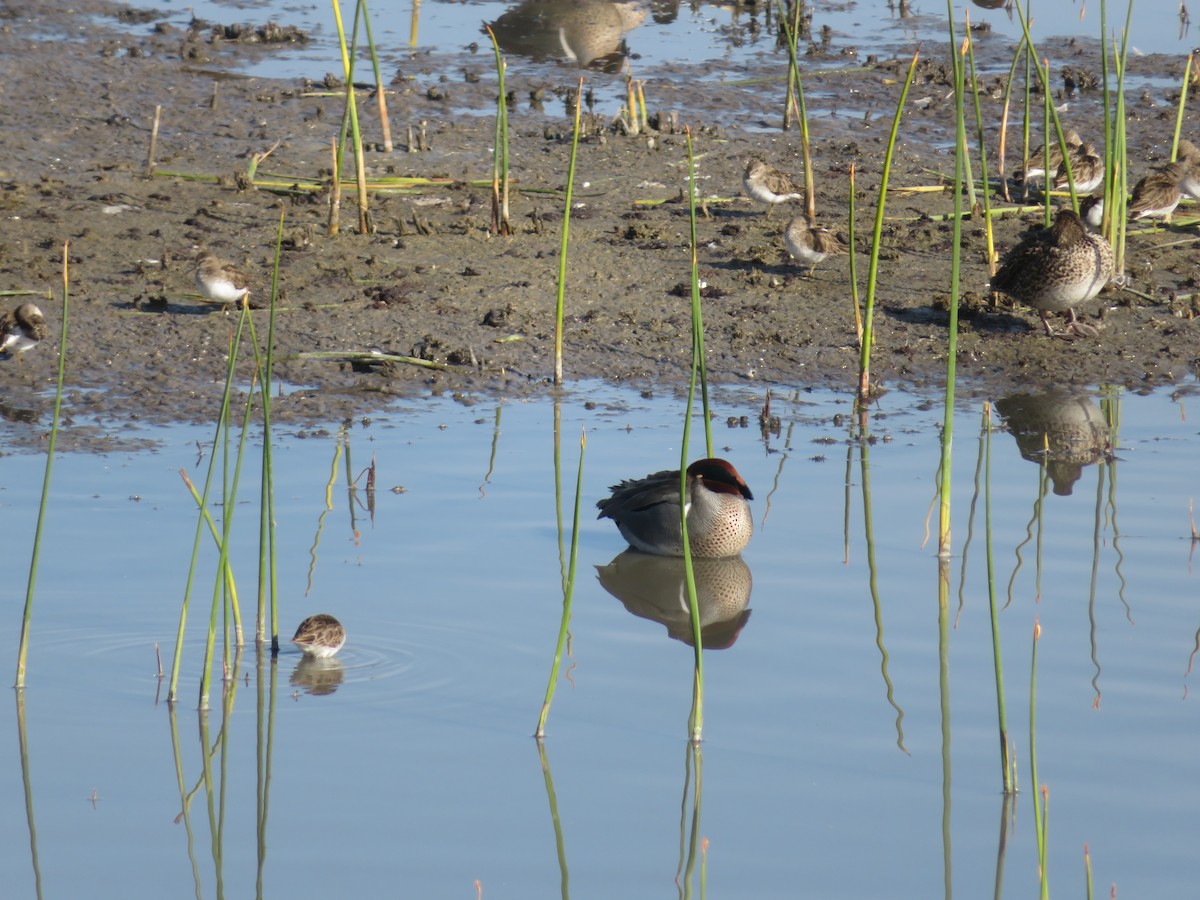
point(431, 281)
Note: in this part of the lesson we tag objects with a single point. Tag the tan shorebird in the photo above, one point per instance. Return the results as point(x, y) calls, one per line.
point(769, 185)
point(810, 243)
point(321, 636)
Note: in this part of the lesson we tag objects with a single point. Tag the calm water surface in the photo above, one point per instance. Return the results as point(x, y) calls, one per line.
point(659, 35)
point(851, 717)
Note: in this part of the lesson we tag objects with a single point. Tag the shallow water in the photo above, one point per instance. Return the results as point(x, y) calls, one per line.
point(839, 722)
point(660, 35)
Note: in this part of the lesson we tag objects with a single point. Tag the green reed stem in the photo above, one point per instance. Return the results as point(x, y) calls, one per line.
point(698, 354)
point(268, 579)
point(1183, 92)
point(222, 431)
point(864, 361)
point(568, 596)
point(500, 183)
point(795, 94)
point(696, 717)
point(27, 616)
point(858, 316)
point(559, 304)
point(997, 657)
point(1120, 195)
point(1087, 870)
point(1110, 144)
point(960, 152)
point(352, 116)
point(983, 161)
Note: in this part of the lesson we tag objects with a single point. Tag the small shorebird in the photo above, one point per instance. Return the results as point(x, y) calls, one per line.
point(321, 636)
point(769, 185)
point(1035, 169)
point(1091, 209)
point(1057, 268)
point(1189, 156)
point(219, 280)
point(1159, 192)
point(810, 243)
point(646, 511)
point(1087, 168)
point(21, 329)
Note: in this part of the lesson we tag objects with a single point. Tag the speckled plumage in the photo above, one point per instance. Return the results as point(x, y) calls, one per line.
point(1189, 156)
point(21, 329)
point(769, 185)
point(646, 511)
point(1158, 193)
point(219, 280)
point(1087, 168)
point(1057, 268)
point(321, 636)
point(810, 243)
point(1035, 169)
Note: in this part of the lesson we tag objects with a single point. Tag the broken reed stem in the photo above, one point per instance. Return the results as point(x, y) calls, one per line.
point(335, 191)
point(27, 616)
point(500, 221)
point(380, 95)
point(152, 156)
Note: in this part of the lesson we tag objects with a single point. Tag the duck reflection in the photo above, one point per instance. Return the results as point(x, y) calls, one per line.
point(317, 675)
point(1074, 427)
point(655, 587)
point(589, 33)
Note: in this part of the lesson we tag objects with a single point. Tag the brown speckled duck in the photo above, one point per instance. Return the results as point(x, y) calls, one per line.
point(1057, 268)
point(646, 511)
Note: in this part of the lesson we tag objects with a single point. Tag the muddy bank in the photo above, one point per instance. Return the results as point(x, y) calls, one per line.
point(432, 281)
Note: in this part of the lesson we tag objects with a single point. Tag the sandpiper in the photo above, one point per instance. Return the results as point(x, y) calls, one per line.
point(219, 280)
point(21, 329)
point(1158, 193)
point(1189, 156)
point(1035, 169)
point(1087, 168)
point(769, 185)
point(646, 511)
point(810, 243)
point(1057, 268)
point(321, 636)
point(1091, 209)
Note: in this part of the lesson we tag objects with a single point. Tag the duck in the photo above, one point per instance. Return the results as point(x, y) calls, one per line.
point(1057, 268)
point(320, 636)
point(646, 511)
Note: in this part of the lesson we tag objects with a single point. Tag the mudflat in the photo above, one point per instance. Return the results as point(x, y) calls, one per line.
point(431, 281)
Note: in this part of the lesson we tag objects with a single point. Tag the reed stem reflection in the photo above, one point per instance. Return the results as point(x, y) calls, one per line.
point(560, 844)
point(864, 453)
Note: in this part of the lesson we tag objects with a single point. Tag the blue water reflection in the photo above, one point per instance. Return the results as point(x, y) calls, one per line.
point(409, 768)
